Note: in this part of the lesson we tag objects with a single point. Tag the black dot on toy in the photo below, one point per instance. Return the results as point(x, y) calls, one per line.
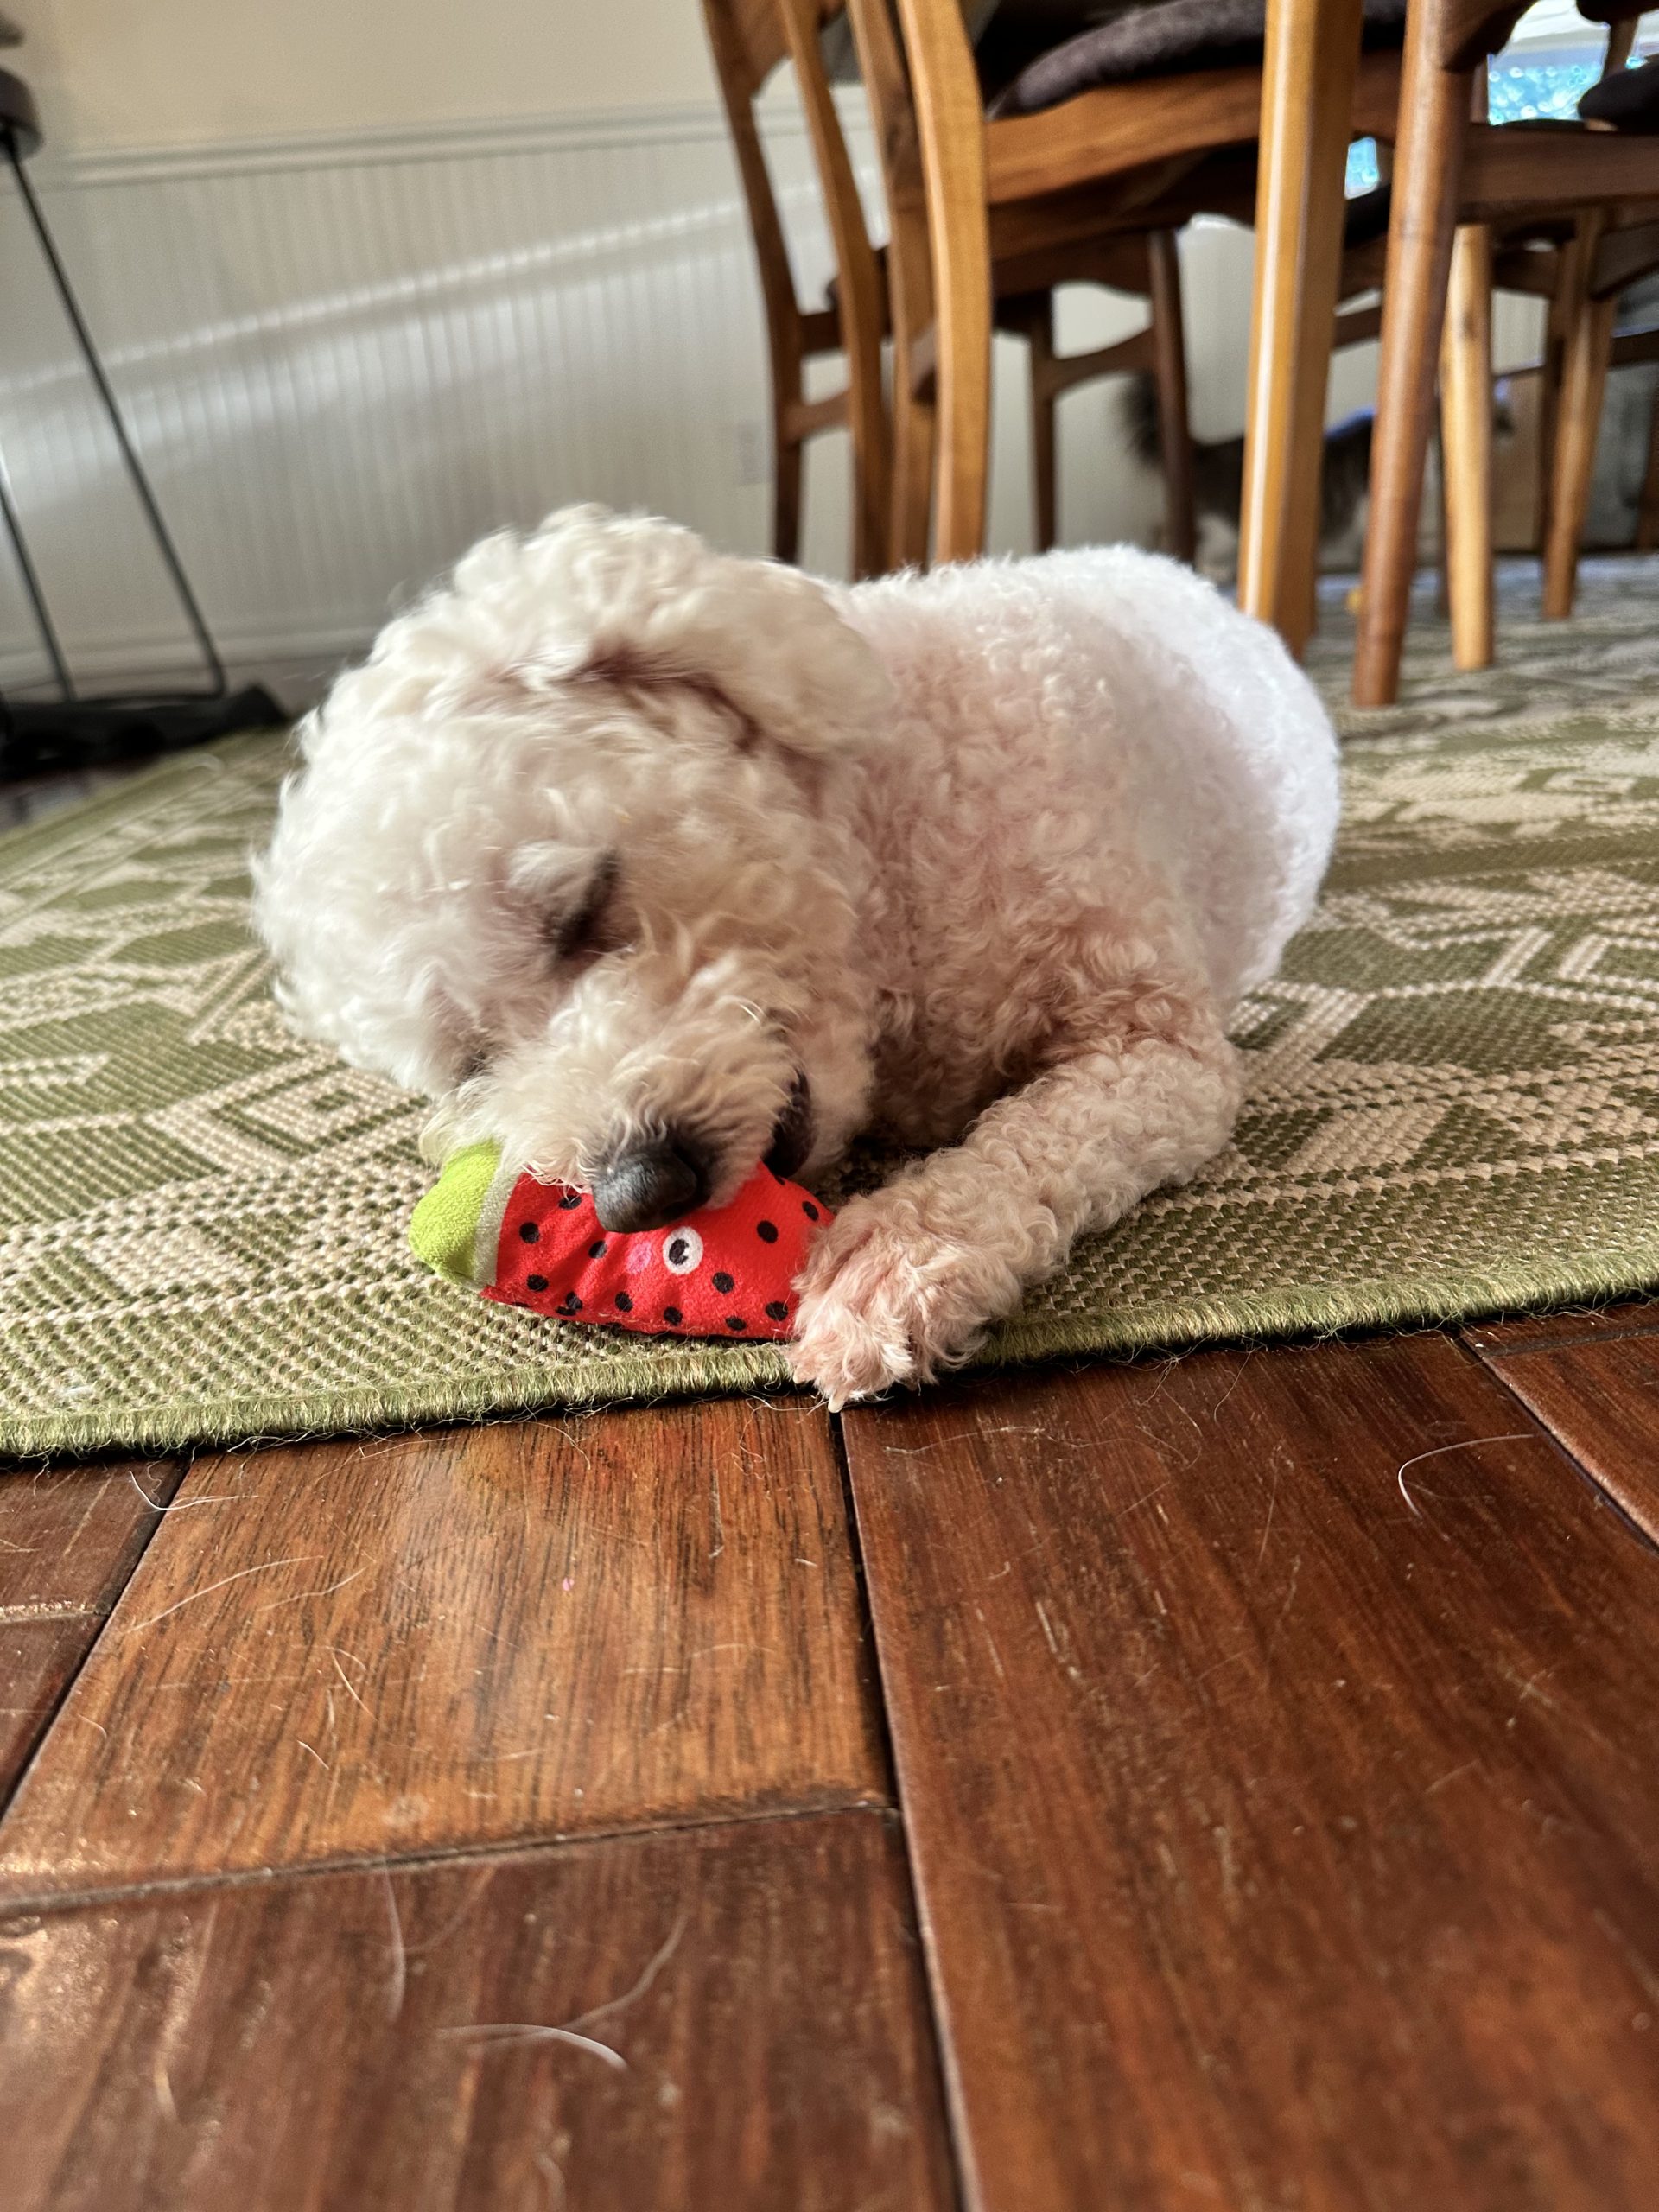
point(528, 1231)
point(778, 1310)
point(673, 1316)
point(570, 1199)
point(766, 1232)
point(677, 1251)
point(571, 1304)
point(723, 1281)
point(735, 1323)
point(596, 1251)
point(809, 1208)
point(624, 1303)
point(535, 1282)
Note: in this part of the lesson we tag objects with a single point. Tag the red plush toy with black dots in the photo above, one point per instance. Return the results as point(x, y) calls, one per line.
point(727, 1271)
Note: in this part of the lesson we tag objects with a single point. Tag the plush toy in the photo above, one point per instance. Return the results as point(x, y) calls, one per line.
point(725, 1271)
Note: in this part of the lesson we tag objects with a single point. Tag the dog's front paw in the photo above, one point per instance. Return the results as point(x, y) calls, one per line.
point(884, 1300)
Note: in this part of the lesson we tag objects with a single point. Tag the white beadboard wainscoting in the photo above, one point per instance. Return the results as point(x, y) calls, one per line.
point(344, 359)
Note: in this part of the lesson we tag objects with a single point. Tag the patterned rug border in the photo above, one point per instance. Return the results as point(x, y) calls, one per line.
point(1305, 1313)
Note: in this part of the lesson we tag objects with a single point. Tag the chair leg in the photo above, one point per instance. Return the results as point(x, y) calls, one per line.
point(1169, 351)
point(786, 493)
point(1308, 86)
point(1584, 385)
point(951, 117)
point(913, 475)
point(1429, 162)
point(1466, 445)
point(1549, 392)
point(910, 284)
point(1039, 335)
point(1647, 516)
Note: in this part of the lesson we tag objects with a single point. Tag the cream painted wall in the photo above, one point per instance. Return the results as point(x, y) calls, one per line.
point(113, 74)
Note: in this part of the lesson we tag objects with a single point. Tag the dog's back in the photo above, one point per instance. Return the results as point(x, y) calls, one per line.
point(1112, 681)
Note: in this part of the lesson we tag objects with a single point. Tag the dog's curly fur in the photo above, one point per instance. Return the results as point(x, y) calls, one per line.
point(615, 838)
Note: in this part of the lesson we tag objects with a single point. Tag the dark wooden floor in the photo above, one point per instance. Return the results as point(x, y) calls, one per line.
point(1232, 1782)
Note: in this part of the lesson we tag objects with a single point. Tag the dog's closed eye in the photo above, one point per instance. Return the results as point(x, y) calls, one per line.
point(592, 925)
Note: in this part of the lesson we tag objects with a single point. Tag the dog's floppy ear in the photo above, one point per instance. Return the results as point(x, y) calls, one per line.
point(630, 592)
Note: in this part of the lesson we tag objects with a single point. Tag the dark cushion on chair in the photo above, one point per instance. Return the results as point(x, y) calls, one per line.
point(1629, 100)
point(1162, 40)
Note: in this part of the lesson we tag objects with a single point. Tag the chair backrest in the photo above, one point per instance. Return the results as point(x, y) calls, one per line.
point(750, 40)
point(746, 38)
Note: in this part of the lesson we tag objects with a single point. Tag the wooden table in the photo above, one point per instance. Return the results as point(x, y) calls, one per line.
point(1313, 56)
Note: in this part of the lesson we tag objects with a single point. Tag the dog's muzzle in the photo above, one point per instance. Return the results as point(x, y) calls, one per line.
point(652, 1186)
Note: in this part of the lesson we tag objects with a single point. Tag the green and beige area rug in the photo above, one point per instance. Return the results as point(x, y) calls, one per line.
point(1453, 1106)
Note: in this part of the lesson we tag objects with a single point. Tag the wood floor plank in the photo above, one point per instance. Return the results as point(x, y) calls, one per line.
point(69, 1538)
point(470, 1638)
point(332, 2042)
point(1599, 1393)
point(1278, 1742)
point(1632, 1317)
point(38, 1659)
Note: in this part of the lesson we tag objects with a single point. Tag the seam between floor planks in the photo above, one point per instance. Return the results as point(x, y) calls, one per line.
point(945, 2069)
point(1568, 1340)
point(1605, 1497)
point(169, 1473)
point(41, 1905)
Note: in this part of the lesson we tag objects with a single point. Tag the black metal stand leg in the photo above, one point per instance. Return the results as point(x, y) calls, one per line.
point(134, 469)
point(32, 585)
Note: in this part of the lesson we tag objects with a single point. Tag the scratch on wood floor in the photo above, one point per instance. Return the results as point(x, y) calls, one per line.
point(163, 2086)
point(1638, 1966)
point(398, 1980)
point(1468, 1443)
point(966, 1436)
point(653, 1966)
point(498, 2035)
point(184, 1504)
point(265, 1566)
point(335, 1656)
point(298, 1597)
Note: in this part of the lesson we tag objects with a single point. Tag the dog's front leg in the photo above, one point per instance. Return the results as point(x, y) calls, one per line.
point(907, 1280)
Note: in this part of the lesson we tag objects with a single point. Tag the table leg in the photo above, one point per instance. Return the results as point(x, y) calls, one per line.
point(1308, 90)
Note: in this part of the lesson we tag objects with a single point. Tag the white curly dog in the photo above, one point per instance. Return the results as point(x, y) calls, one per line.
point(653, 863)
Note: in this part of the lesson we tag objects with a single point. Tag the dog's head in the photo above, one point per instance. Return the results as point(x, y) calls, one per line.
point(563, 857)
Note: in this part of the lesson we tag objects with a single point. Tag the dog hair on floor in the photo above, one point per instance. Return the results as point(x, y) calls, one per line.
point(652, 862)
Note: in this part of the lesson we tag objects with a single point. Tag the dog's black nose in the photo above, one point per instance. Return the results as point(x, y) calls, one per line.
point(649, 1188)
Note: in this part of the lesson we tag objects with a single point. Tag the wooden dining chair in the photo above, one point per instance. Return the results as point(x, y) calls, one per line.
point(749, 41)
point(1125, 157)
point(1577, 264)
point(1070, 243)
point(1610, 252)
point(1458, 181)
